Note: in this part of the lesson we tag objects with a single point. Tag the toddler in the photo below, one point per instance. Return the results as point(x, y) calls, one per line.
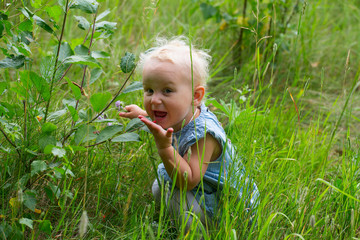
point(196, 155)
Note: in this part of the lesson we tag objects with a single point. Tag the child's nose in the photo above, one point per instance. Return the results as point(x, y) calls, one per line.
point(155, 99)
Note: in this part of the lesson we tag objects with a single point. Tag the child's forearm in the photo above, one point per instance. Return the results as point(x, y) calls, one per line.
point(175, 165)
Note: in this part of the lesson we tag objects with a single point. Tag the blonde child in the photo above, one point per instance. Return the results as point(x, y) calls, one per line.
point(196, 155)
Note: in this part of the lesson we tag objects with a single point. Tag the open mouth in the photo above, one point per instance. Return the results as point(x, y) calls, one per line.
point(159, 114)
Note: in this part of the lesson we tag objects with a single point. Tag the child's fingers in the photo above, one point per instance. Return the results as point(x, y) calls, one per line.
point(126, 114)
point(148, 123)
point(169, 132)
point(153, 127)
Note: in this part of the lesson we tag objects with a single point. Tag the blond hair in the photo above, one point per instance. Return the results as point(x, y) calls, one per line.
point(177, 50)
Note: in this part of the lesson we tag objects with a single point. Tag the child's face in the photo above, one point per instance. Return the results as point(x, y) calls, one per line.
point(167, 93)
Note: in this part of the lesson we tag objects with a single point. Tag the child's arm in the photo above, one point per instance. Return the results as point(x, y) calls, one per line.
point(175, 164)
point(133, 111)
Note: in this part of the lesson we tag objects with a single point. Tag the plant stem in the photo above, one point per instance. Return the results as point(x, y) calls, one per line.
point(239, 51)
point(56, 61)
point(84, 73)
point(116, 95)
point(25, 127)
point(9, 140)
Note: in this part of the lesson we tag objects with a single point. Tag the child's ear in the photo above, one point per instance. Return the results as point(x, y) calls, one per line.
point(199, 93)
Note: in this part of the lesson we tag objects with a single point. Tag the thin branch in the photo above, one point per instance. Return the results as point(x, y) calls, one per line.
point(67, 70)
point(25, 126)
point(241, 34)
point(9, 140)
point(84, 73)
point(56, 60)
point(116, 95)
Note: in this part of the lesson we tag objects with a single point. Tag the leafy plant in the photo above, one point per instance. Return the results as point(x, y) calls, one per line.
point(42, 136)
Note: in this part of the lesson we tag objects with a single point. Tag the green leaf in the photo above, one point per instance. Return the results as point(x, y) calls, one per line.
point(85, 133)
point(48, 127)
point(48, 148)
point(13, 62)
point(7, 109)
point(74, 148)
point(105, 25)
point(23, 181)
point(21, 91)
point(70, 102)
point(81, 50)
point(208, 10)
point(41, 23)
point(127, 63)
point(216, 104)
point(26, 38)
point(95, 74)
point(56, 115)
point(27, 222)
point(102, 15)
point(52, 191)
point(106, 120)
point(47, 68)
point(23, 47)
point(74, 113)
point(38, 166)
point(26, 26)
point(100, 100)
point(4, 16)
point(85, 114)
point(46, 140)
point(30, 200)
point(134, 124)
point(85, 60)
point(108, 132)
point(65, 51)
point(36, 3)
point(100, 54)
point(55, 190)
point(45, 226)
point(55, 12)
point(3, 86)
point(1, 29)
point(134, 86)
point(31, 152)
point(82, 23)
point(6, 230)
point(127, 137)
point(58, 152)
point(88, 6)
point(27, 13)
point(40, 84)
point(75, 89)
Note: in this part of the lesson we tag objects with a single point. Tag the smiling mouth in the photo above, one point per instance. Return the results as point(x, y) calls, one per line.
point(160, 114)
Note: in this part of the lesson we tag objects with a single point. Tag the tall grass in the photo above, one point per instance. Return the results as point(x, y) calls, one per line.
point(291, 108)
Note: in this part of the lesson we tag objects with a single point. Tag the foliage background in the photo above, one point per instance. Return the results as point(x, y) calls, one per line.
point(284, 83)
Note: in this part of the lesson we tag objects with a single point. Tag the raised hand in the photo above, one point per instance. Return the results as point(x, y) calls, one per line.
point(133, 111)
point(162, 137)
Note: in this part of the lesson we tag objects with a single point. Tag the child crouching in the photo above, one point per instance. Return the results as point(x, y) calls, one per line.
point(195, 152)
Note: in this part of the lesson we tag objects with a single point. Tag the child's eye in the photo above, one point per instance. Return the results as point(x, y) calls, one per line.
point(149, 91)
point(167, 90)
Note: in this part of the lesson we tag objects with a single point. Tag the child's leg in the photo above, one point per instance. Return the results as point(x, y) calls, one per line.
point(177, 202)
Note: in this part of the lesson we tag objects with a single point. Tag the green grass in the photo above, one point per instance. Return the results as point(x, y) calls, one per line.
point(306, 163)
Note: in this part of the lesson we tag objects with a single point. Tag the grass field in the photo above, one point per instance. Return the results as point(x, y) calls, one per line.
point(284, 83)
